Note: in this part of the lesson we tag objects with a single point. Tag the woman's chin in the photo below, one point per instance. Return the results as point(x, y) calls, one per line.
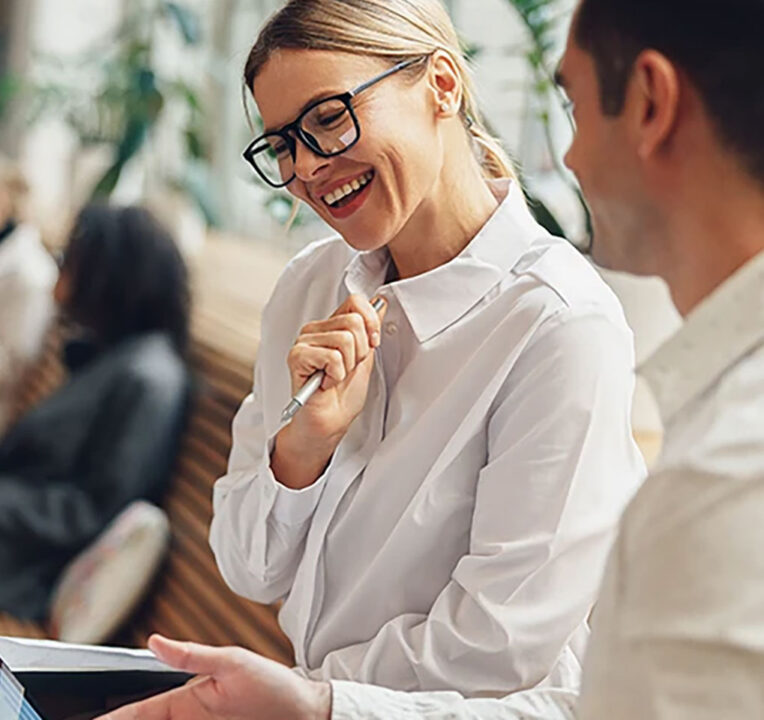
point(365, 237)
point(365, 242)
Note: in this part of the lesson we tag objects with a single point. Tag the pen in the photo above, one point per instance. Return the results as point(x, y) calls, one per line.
point(313, 382)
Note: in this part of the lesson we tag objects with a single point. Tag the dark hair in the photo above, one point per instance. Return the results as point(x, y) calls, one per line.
point(718, 45)
point(127, 276)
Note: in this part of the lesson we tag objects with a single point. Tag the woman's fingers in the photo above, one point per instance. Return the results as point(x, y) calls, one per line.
point(342, 340)
point(337, 345)
point(351, 323)
point(357, 304)
point(305, 359)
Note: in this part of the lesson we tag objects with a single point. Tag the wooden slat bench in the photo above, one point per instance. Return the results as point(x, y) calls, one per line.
point(190, 601)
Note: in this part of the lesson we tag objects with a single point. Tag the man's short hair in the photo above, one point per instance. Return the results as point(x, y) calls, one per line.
point(720, 46)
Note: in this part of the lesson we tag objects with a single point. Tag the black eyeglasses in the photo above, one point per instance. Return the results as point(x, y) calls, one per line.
point(327, 128)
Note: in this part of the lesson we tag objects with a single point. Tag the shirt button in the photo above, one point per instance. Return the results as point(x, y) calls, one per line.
point(391, 328)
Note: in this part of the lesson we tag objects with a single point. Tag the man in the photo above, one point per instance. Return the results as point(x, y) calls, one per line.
point(670, 153)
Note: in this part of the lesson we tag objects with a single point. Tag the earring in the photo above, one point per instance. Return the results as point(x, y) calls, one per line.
point(444, 107)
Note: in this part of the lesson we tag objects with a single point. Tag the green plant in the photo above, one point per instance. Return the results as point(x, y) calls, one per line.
point(131, 96)
point(540, 18)
point(9, 89)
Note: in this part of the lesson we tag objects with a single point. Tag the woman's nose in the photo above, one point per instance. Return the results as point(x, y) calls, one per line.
point(307, 165)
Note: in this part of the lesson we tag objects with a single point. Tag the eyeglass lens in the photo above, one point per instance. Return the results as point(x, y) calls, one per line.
point(328, 129)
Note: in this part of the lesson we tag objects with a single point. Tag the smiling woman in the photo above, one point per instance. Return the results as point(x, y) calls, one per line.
point(437, 515)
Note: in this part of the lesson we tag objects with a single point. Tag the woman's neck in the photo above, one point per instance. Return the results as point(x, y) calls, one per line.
point(459, 205)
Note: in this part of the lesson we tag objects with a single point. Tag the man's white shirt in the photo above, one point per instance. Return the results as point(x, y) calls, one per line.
point(679, 627)
point(458, 536)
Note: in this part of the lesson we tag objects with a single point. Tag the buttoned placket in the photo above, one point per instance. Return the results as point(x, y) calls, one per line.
point(353, 454)
point(351, 458)
point(389, 352)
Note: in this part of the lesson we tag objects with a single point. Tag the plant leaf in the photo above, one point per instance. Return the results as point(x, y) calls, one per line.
point(105, 186)
point(544, 216)
point(187, 21)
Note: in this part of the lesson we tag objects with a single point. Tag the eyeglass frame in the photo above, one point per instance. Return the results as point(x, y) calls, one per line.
point(292, 132)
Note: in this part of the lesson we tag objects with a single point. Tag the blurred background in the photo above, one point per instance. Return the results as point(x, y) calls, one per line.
point(141, 101)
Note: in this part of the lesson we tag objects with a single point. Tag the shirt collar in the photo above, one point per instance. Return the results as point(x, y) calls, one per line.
point(436, 299)
point(720, 331)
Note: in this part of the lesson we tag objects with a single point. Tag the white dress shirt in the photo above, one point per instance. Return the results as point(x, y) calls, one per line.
point(679, 629)
point(27, 276)
point(458, 536)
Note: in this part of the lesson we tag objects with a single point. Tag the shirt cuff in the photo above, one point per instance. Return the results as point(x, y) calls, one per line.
point(351, 701)
point(289, 506)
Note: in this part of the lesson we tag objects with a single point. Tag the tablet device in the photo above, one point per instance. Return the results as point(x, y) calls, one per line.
point(14, 704)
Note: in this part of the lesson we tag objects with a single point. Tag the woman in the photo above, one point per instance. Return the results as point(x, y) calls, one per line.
point(27, 276)
point(438, 514)
point(109, 435)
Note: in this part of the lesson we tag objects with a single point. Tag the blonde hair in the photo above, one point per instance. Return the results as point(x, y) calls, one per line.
point(392, 30)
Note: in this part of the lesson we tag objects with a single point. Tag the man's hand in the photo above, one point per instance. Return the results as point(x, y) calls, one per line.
point(233, 684)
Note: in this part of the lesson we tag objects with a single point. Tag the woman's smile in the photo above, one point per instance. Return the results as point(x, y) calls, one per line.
point(344, 197)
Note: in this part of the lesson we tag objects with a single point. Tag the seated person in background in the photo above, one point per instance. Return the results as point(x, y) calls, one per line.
point(27, 275)
point(109, 435)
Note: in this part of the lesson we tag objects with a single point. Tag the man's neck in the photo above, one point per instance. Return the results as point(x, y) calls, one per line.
point(710, 240)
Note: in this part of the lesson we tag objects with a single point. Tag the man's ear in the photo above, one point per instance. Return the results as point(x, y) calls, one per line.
point(653, 101)
point(445, 84)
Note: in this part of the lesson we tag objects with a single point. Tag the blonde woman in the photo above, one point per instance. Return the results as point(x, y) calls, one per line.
point(439, 512)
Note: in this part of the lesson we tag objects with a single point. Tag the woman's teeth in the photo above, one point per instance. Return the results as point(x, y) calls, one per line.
point(333, 198)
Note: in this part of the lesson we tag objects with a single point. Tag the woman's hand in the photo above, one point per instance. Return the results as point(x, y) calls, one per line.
point(233, 684)
point(343, 346)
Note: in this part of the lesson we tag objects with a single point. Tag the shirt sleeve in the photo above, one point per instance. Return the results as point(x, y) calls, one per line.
point(259, 525)
point(505, 620)
point(353, 701)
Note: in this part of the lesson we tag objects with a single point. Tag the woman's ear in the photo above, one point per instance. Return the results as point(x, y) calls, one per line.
point(445, 84)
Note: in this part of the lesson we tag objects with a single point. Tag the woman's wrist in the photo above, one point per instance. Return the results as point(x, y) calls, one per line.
point(297, 462)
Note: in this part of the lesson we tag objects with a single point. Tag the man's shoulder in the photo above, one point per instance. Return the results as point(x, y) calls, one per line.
point(713, 457)
point(723, 428)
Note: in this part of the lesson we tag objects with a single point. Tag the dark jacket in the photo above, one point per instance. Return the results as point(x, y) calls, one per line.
point(67, 467)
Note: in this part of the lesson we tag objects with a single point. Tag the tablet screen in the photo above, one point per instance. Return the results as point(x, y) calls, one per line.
point(13, 704)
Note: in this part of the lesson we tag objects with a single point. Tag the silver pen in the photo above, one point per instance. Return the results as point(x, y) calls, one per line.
point(313, 382)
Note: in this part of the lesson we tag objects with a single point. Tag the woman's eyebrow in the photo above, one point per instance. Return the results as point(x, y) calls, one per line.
point(323, 95)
